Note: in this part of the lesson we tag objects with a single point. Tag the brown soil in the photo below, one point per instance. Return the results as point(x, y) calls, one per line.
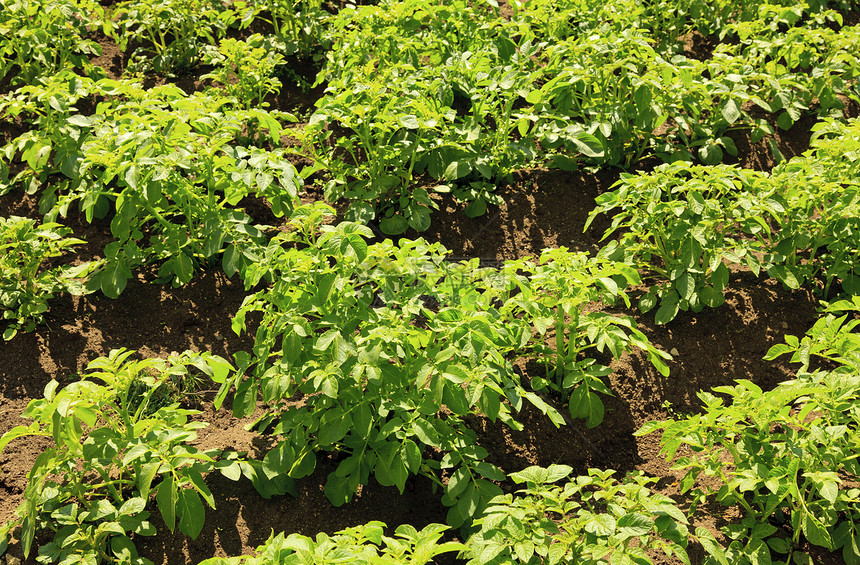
point(542, 208)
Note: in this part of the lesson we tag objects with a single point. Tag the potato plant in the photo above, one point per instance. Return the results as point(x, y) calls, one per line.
point(589, 519)
point(113, 456)
point(364, 545)
point(783, 456)
point(818, 236)
point(26, 284)
point(171, 33)
point(42, 38)
point(378, 355)
point(377, 339)
point(684, 224)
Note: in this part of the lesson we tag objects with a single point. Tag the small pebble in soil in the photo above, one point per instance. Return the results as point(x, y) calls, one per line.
point(785, 325)
point(673, 352)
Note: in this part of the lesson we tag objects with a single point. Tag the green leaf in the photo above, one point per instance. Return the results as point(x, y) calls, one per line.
point(411, 455)
point(666, 312)
point(631, 525)
point(80, 121)
point(230, 469)
point(395, 225)
point(685, 285)
point(601, 525)
point(132, 506)
point(730, 111)
point(588, 145)
point(455, 398)
point(147, 474)
point(710, 154)
point(231, 260)
point(419, 217)
point(711, 547)
point(585, 404)
point(648, 302)
point(779, 545)
point(758, 552)
point(337, 490)
point(720, 277)
point(201, 487)
point(563, 162)
point(192, 513)
point(476, 208)
point(409, 122)
point(785, 275)
point(711, 298)
point(167, 498)
point(815, 532)
point(114, 277)
point(829, 491)
point(334, 425)
point(784, 121)
point(456, 170)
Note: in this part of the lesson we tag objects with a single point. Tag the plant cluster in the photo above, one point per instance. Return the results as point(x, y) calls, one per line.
point(686, 224)
point(26, 283)
point(377, 339)
point(110, 453)
point(363, 545)
point(466, 96)
point(377, 355)
point(589, 519)
point(41, 38)
point(170, 34)
point(785, 456)
point(169, 168)
point(246, 69)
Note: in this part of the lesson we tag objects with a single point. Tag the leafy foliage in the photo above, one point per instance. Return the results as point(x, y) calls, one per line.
point(246, 69)
point(819, 237)
point(684, 223)
point(26, 284)
point(171, 33)
point(171, 169)
point(41, 38)
point(93, 485)
point(589, 519)
point(378, 339)
point(783, 456)
point(364, 545)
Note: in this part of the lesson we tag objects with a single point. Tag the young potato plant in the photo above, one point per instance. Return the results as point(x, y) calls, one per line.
point(364, 545)
point(299, 24)
point(373, 164)
point(391, 348)
point(820, 61)
point(51, 148)
point(786, 457)
point(598, 103)
point(553, 296)
point(169, 166)
point(587, 520)
point(171, 33)
point(26, 284)
point(114, 453)
point(819, 235)
point(245, 69)
point(386, 129)
point(684, 223)
point(42, 38)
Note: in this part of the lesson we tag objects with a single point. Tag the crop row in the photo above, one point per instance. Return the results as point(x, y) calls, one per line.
point(450, 97)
